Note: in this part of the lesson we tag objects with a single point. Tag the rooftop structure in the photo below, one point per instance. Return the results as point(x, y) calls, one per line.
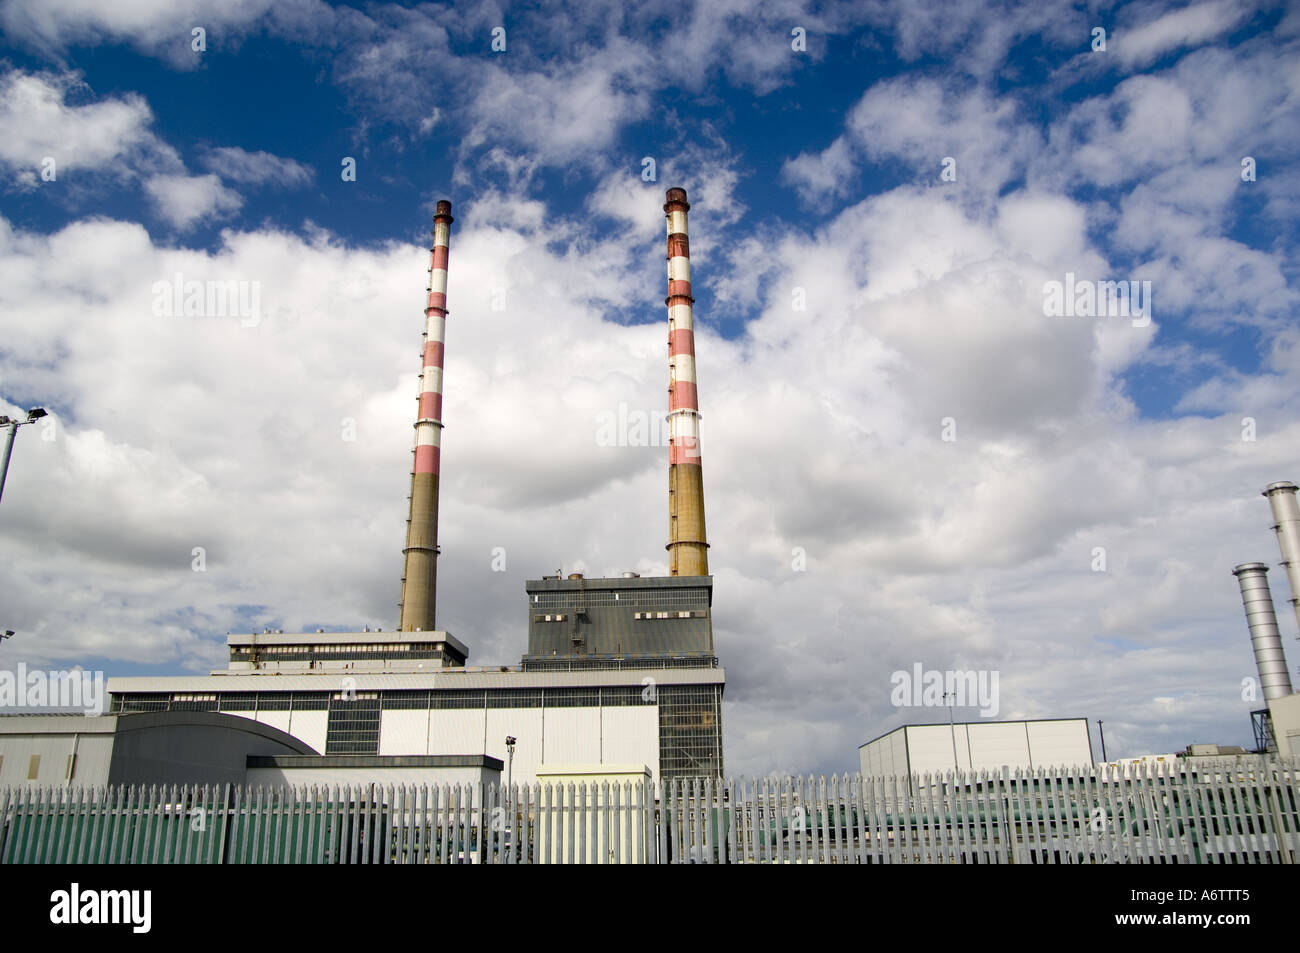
point(629, 618)
point(274, 653)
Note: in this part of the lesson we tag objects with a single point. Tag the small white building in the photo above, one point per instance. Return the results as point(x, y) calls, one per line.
point(180, 747)
point(612, 832)
point(1285, 713)
point(977, 746)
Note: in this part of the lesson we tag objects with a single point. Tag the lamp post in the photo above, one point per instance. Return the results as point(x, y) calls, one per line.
point(510, 794)
point(949, 698)
point(952, 727)
point(33, 415)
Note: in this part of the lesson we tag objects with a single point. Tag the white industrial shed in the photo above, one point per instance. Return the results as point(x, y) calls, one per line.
point(977, 746)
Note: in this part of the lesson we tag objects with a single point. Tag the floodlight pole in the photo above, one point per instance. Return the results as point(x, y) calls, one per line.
point(33, 415)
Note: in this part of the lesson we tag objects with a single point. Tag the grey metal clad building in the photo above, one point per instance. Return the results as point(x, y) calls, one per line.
point(623, 618)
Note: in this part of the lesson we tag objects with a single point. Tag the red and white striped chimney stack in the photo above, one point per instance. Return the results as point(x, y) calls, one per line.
point(420, 579)
point(687, 545)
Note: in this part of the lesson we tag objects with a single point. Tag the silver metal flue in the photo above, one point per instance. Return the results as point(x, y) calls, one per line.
point(1274, 679)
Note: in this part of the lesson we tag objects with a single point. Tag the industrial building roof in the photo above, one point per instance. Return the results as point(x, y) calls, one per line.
point(376, 761)
point(618, 582)
point(443, 679)
point(957, 724)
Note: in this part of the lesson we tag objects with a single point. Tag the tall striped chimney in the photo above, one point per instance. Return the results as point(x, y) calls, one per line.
point(420, 578)
point(687, 546)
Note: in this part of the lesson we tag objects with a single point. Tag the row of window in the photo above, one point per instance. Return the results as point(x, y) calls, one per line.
point(591, 663)
point(609, 695)
point(239, 652)
point(677, 614)
point(277, 656)
point(649, 598)
point(353, 726)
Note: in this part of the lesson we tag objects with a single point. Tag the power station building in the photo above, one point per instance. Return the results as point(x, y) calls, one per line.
point(617, 671)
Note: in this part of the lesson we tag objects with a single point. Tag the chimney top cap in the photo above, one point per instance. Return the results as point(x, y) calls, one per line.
point(443, 210)
point(1250, 567)
point(676, 197)
point(1286, 485)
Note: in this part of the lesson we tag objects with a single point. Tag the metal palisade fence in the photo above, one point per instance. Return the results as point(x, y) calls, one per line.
point(1224, 812)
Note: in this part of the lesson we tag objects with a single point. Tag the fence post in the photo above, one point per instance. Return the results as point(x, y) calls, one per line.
point(1273, 794)
point(661, 807)
point(550, 854)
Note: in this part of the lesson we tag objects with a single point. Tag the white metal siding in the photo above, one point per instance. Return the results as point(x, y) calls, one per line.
point(525, 724)
point(1285, 713)
point(310, 727)
point(897, 753)
point(929, 748)
point(573, 735)
point(1054, 743)
point(884, 757)
point(997, 744)
point(631, 736)
point(93, 754)
point(276, 719)
point(454, 731)
point(980, 746)
point(406, 731)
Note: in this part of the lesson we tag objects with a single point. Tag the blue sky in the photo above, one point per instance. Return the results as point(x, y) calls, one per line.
point(321, 110)
point(812, 171)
